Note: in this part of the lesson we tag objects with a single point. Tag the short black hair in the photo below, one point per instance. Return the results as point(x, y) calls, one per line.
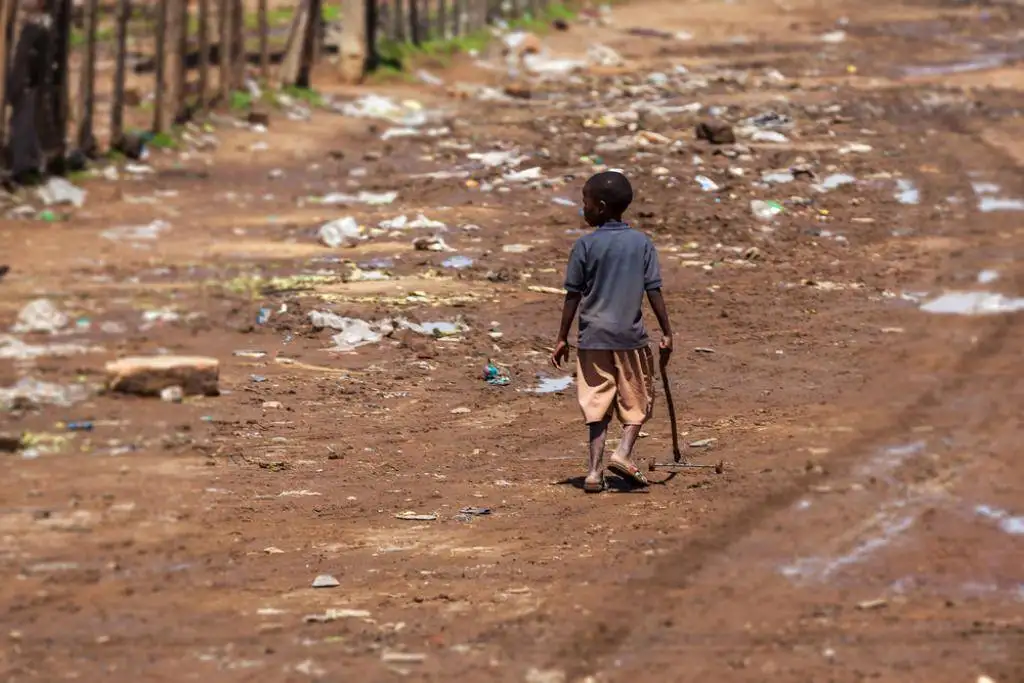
point(612, 188)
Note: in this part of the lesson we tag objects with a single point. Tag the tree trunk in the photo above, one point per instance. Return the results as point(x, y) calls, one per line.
point(124, 11)
point(352, 52)
point(87, 87)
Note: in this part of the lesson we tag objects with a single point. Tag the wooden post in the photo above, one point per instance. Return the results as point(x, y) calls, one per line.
point(87, 88)
point(204, 52)
point(264, 29)
point(288, 72)
point(224, 49)
point(7, 8)
point(399, 21)
point(161, 44)
point(442, 20)
point(415, 29)
point(305, 79)
point(62, 84)
point(173, 64)
point(238, 52)
point(124, 11)
point(352, 51)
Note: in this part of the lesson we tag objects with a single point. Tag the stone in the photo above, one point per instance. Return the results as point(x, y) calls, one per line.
point(715, 132)
point(326, 581)
point(149, 376)
point(10, 443)
point(258, 118)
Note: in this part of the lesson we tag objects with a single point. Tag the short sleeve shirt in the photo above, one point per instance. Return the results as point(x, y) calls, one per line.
point(612, 267)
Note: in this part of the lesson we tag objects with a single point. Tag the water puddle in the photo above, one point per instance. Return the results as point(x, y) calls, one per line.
point(989, 201)
point(973, 303)
point(551, 385)
point(458, 262)
point(907, 192)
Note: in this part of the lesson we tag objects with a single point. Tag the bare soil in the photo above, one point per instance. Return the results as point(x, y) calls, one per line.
point(867, 526)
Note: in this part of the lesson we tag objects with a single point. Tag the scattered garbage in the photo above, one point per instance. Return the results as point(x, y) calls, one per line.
point(707, 184)
point(834, 181)
point(335, 614)
point(433, 243)
point(457, 262)
point(408, 113)
point(834, 37)
point(907, 192)
point(174, 394)
point(403, 223)
point(411, 516)
point(30, 393)
point(340, 232)
point(765, 210)
point(84, 426)
point(363, 197)
point(973, 303)
point(57, 191)
point(495, 377)
point(137, 233)
point(40, 316)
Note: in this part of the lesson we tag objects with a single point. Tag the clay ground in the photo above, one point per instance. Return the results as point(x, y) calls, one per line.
point(868, 525)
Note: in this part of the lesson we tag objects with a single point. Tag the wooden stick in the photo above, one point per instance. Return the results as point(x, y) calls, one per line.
point(124, 11)
point(87, 88)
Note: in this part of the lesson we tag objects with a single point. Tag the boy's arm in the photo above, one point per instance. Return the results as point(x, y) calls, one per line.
point(574, 284)
point(652, 283)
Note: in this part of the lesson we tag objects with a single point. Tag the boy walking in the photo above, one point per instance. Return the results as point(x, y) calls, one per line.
point(609, 271)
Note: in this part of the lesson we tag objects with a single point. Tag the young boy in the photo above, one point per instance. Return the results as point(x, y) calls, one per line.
point(609, 270)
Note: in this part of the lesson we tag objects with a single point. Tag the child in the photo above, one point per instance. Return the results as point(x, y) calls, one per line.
point(609, 270)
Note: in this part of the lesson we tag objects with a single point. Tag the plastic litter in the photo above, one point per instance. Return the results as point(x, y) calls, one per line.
point(40, 316)
point(58, 191)
point(340, 232)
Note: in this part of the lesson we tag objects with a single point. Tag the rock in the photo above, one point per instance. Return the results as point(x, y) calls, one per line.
point(258, 118)
point(326, 581)
point(272, 405)
point(40, 316)
point(715, 132)
point(149, 376)
point(10, 443)
point(520, 91)
point(461, 410)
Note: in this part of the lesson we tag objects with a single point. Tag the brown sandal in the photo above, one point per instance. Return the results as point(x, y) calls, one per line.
point(629, 472)
point(594, 486)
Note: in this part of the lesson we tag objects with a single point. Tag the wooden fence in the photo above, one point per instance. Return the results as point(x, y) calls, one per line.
point(78, 72)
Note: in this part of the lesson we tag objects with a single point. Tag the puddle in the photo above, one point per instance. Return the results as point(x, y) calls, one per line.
point(979, 63)
point(1013, 525)
point(907, 192)
point(988, 201)
point(457, 261)
point(973, 303)
point(550, 385)
point(834, 181)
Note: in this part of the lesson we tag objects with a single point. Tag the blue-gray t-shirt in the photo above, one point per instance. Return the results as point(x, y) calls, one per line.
point(612, 268)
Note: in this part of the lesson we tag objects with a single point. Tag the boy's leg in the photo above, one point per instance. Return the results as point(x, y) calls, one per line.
point(598, 435)
point(595, 386)
point(635, 400)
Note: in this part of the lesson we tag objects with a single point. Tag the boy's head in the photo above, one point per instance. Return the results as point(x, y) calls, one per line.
point(606, 196)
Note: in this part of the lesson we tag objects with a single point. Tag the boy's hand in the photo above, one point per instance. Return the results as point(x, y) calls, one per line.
point(666, 346)
point(560, 354)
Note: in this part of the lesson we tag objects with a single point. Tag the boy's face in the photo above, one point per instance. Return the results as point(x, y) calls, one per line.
point(593, 210)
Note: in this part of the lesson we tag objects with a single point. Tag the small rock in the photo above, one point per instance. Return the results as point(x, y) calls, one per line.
point(10, 443)
point(271, 550)
point(715, 132)
point(519, 91)
point(326, 581)
point(272, 405)
point(461, 410)
point(258, 118)
point(149, 376)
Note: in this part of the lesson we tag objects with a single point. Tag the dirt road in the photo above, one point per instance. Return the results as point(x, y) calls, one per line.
point(852, 355)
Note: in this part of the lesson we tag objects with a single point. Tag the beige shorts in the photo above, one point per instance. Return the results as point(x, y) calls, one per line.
point(620, 379)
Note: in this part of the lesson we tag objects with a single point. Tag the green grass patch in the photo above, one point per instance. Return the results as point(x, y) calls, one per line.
point(307, 95)
point(397, 56)
point(163, 141)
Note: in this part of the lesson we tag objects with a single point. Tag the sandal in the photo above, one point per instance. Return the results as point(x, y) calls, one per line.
point(629, 472)
point(594, 486)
